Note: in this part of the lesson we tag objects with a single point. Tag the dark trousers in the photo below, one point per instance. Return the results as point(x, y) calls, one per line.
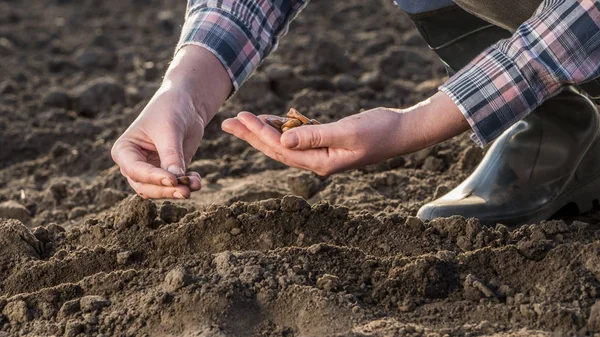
point(459, 30)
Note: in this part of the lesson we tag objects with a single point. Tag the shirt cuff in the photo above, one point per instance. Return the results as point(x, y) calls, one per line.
point(492, 93)
point(226, 37)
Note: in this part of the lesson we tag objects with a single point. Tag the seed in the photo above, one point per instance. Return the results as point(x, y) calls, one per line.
point(292, 123)
point(276, 121)
point(183, 180)
point(293, 113)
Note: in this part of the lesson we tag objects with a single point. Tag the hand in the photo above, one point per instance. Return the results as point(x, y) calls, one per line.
point(161, 142)
point(355, 141)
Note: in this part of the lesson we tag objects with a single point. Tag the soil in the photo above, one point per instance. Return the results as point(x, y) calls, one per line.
point(263, 250)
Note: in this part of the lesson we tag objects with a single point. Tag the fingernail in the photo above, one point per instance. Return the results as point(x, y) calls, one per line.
point(166, 182)
point(176, 170)
point(291, 140)
point(178, 195)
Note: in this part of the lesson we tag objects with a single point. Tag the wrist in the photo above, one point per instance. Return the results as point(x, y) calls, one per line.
point(428, 123)
point(197, 72)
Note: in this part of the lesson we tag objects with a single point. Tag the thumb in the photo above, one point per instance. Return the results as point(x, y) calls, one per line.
point(309, 137)
point(171, 156)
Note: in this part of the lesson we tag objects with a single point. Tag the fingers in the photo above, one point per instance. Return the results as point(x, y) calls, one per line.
point(239, 129)
point(170, 152)
point(149, 191)
point(311, 137)
point(307, 160)
point(255, 125)
point(134, 165)
point(148, 180)
point(195, 181)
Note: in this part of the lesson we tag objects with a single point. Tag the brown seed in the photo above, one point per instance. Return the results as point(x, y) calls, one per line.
point(183, 180)
point(293, 113)
point(276, 121)
point(284, 129)
point(292, 123)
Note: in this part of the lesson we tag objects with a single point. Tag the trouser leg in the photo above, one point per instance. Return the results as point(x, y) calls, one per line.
point(453, 33)
point(459, 30)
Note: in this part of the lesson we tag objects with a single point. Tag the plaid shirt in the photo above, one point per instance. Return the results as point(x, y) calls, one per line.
point(559, 45)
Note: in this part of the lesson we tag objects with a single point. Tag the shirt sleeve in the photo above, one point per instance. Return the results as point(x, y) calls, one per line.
point(557, 46)
point(239, 33)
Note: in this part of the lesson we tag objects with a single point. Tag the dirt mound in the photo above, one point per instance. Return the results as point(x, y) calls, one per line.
point(281, 267)
point(263, 249)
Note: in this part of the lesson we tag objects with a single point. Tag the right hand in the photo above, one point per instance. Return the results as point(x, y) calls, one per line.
point(159, 144)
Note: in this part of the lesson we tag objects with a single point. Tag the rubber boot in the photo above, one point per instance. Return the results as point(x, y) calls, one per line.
point(536, 167)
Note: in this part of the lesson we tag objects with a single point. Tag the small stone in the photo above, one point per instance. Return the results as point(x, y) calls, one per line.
point(328, 282)
point(123, 257)
point(414, 224)
point(291, 203)
point(177, 278)
point(235, 231)
point(345, 82)
point(13, 210)
point(77, 212)
point(440, 191)
point(57, 98)
point(17, 312)
point(93, 303)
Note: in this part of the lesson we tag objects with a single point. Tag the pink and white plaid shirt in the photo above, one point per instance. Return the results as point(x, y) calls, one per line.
point(557, 46)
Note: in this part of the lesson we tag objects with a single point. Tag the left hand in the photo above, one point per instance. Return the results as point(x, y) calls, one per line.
point(352, 142)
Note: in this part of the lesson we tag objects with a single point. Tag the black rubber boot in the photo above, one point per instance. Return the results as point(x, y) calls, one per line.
point(532, 170)
point(536, 167)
